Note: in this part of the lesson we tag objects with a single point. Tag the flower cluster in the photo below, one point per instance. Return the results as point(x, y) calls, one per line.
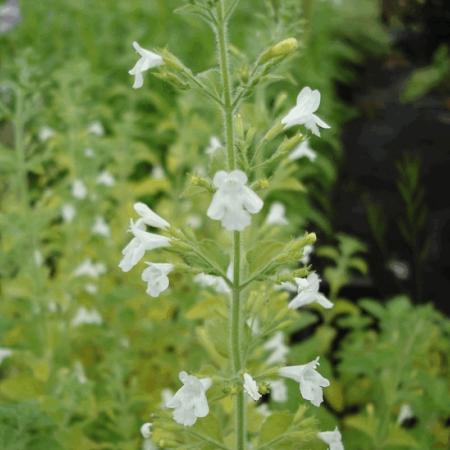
point(233, 201)
point(155, 274)
point(233, 204)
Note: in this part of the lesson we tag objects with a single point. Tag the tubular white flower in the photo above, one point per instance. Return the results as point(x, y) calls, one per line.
point(306, 256)
point(405, 413)
point(46, 133)
point(9, 15)
point(79, 189)
point(278, 347)
point(86, 316)
point(96, 128)
point(311, 382)
point(278, 391)
point(308, 292)
point(68, 212)
point(212, 281)
point(166, 396)
point(146, 430)
point(90, 269)
point(106, 179)
point(251, 387)
point(303, 151)
point(100, 227)
point(302, 113)
point(332, 438)
point(148, 60)
point(149, 217)
point(156, 277)
point(264, 410)
point(142, 241)
point(213, 146)
point(190, 402)
point(277, 214)
point(233, 201)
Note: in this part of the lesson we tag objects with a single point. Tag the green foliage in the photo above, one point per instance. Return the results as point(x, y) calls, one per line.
point(90, 386)
point(396, 359)
point(425, 79)
point(346, 258)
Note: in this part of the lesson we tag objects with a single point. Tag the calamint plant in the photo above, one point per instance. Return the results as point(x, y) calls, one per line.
point(241, 258)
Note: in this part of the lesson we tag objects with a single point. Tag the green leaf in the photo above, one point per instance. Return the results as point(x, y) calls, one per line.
point(275, 425)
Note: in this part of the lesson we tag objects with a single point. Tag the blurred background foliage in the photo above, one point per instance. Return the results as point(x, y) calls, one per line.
point(85, 354)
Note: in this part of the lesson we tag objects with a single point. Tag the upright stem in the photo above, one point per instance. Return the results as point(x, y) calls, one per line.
point(236, 325)
point(222, 41)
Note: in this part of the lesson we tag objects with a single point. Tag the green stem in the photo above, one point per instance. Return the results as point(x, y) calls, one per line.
point(222, 41)
point(236, 325)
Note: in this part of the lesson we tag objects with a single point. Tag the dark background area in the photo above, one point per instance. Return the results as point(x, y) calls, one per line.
point(393, 183)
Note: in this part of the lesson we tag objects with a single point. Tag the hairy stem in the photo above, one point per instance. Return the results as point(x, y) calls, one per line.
point(236, 324)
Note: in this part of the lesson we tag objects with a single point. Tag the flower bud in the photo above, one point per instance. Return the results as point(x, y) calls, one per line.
point(289, 144)
point(282, 49)
point(201, 182)
point(264, 388)
point(172, 62)
point(273, 132)
point(263, 183)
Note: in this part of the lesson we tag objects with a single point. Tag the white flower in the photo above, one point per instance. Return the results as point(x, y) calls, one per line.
point(307, 250)
point(277, 214)
point(90, 288)
point(157, 173)
point(212, 281)
point(264, 410)
point(100, 227)
point(5, 353)
point(190, 401)
point(213, 146)
point(278, 391)
point(147, 61)
point(137, 247)
point(166, 396)
point(106, 179)
point(233, 201)
point(68, 212)
point(88, 268)
point(194, 221)
point(311, 382)
point(303, 151)
point(286, 286)
point(149, 217)
point(253, 324)
point(85, 316)
point(278, 347)
point(79, 373)
point(46, 133)
point(251, 387)
point(9, 15)
point(143, 240)
point(89, 153)
point(405, 413)
point(96, 128)
point(38, 258)
point(79, 189)
point(146, 430)
point(308, 102)
point(332, 438)
point(399, 268)
point(156, 277)
point(308, 292)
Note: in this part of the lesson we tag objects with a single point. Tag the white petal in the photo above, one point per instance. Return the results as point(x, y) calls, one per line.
point(251, 387)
